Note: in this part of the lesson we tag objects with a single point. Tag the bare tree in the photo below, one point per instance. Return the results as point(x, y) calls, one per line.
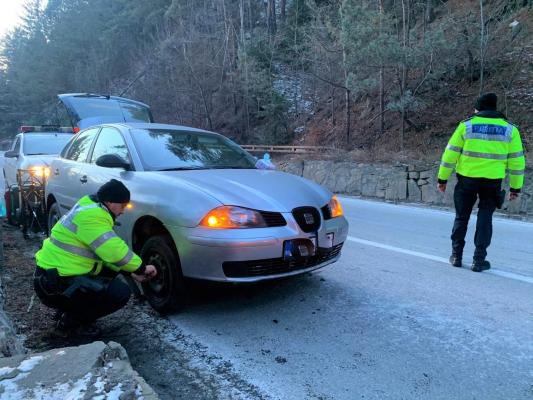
point(481, 47)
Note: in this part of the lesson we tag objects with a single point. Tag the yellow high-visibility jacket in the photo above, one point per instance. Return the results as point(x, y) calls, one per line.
point(485, 146)
point(83, 241)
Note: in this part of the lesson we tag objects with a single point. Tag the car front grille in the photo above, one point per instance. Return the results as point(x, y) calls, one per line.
point(273, 266)
point(273, 218)
point(308, 218)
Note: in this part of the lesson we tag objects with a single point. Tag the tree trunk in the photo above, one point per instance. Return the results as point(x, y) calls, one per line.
point(245, 62)
point(481, 47)
point(282, 6)
point(346, 97)
point(404, 75)
point(271, 18)
point(381, 80)
point(430, 15)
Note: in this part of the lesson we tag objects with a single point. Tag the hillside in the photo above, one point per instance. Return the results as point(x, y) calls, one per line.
point(447, 102)
point(381, 80)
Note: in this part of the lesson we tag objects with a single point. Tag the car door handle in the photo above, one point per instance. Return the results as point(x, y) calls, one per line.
point(83, 179)
point(56, 171)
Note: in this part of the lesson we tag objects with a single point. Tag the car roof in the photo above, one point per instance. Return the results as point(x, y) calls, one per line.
point(146, 125)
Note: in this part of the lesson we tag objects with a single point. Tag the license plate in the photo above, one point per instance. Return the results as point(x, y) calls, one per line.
point(328, 243)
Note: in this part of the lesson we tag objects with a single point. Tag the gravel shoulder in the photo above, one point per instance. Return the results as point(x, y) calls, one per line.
point(173, 365)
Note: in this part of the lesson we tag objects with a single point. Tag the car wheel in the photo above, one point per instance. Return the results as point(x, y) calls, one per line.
point(166, 292)
point(53, 216)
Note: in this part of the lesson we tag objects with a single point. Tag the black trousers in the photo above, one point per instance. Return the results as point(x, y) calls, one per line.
point(467, 191)
point(85, 302)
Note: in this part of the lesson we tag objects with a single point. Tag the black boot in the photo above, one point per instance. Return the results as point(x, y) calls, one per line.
point(456, 260)
point(480, 265)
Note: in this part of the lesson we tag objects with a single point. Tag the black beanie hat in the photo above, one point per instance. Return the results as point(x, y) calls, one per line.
point(114, 192)
point(487, 101)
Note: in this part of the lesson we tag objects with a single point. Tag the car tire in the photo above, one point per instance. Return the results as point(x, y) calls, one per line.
point(167, 291)
point(54, 214)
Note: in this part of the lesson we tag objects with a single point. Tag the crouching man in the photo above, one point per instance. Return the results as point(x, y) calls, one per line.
point(78, 265)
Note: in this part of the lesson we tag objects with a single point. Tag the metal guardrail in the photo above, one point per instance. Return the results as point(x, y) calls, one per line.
point(285, 149)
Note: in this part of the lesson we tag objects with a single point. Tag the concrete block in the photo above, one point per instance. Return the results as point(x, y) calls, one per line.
point(94, 370)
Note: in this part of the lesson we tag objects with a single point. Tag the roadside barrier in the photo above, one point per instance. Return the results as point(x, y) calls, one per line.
point(285, 149)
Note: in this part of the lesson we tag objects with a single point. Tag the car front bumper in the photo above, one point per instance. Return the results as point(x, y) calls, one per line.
point(251, 255)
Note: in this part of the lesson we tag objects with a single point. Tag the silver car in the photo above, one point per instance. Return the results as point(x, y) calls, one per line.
point(199, 207)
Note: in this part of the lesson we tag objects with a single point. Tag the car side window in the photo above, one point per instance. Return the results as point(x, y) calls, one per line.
point(79, 149)
point(110, 141)
point(16, 145)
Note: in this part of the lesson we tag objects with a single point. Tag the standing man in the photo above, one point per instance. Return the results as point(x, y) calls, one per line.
point(481, 149)
point(78, 264)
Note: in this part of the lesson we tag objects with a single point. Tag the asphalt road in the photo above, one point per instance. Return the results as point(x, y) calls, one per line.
point(390, 320)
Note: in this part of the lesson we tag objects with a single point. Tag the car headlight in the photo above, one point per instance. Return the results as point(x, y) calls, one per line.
point(335, 207)
point(232, 217)
point(40, 172)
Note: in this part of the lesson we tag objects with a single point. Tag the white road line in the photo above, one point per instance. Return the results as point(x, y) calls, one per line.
point(510, 275)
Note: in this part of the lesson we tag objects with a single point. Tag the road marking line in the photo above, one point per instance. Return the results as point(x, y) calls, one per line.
point(510, 275)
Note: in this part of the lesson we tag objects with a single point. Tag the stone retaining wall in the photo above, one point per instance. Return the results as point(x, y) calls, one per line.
point(410, 183)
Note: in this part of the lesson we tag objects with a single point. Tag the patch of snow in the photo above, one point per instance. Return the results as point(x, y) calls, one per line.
point(99, 385)
point(66, 391)
point(138, 393)
point(9, 388)
point(61, 353)
point(513, 24)
point(291, 86)
point(115, 393)
point(299, 129)
point(6, 370)
point(27, 365)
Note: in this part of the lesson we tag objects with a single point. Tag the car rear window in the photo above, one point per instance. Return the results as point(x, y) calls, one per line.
point(87, 107)
point(35, 144)
point(165, 149)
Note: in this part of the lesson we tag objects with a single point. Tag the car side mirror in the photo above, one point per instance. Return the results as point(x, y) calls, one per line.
point(11, 154)
point(112, 161)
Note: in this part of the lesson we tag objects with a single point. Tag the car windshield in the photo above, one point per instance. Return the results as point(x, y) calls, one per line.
point(88, 107)
point(167, 150)
point(45, 144)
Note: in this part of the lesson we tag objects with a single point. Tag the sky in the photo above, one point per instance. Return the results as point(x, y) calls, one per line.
point(10, 13)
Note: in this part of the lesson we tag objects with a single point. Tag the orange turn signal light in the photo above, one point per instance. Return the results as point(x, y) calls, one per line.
point(335, 206)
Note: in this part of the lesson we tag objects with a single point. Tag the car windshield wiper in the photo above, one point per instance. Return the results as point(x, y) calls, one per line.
point(37, 154)
point(180, 169)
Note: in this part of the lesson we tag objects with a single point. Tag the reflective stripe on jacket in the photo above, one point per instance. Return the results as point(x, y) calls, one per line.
point(485, 147)
point(83, 240)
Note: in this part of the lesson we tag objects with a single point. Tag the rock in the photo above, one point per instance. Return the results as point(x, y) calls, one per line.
point(414, 193)
point(90, 371)
point(291, 167)
point(427, 174)
point(416, 182)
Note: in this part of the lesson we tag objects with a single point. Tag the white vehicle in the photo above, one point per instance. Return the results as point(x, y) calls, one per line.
point(32, 150)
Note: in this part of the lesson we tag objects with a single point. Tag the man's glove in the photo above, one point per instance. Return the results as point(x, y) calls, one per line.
point(146, 273)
